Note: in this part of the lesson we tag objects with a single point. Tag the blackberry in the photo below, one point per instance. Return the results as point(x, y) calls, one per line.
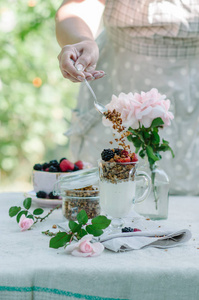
point(54, 163)
point(45, 166)
point(38, 167)
point(76, 168)
point(51, 196)
point(53, 169)
point(107, 154)
point(62, 159)
point(127, 229)
point(117, 151)
point(41, 194)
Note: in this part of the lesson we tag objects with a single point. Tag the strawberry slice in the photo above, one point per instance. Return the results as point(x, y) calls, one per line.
point(134, 157)
point(124, 159)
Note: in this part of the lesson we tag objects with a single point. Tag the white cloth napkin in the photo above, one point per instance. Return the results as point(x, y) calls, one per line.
point(140, 239)
point(157, 234)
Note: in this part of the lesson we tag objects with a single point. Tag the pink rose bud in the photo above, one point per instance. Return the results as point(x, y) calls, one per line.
point(25, 223)
point(85, 248)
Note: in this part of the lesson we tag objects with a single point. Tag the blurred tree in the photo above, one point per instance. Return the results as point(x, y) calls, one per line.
point(35, 100)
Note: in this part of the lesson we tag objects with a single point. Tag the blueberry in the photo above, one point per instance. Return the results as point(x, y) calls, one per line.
point(51, 196)
point(54, 163)
point(76, 168)
point(53, 169)
point(41, 194)
point(62, 159)
point(117, 151)
point(38, 167)
point(45, 166)
point(127, 229)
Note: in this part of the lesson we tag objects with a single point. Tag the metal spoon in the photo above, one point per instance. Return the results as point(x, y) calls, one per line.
point(99, 107)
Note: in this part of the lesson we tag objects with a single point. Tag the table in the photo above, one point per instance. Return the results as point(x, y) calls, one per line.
point(29, 269)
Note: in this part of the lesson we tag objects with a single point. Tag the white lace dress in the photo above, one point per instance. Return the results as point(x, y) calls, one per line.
point(146, 44)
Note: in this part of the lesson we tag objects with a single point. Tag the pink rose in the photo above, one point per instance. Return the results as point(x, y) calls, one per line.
point(126, 105)
point(152, 105)
point(84, 248)
point(25, 223)
point(140, 108)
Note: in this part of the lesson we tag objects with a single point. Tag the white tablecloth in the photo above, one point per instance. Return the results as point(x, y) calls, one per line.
point(29, 269)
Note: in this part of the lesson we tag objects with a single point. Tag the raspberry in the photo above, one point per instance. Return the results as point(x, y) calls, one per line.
point(66, 165)
point(41, 194)
point(136, 229)
point(38, 167)
point(134, 157)
point(51, 196)
point(53, 169)
point(107, 154)
point(125, 153)
point(79, 164)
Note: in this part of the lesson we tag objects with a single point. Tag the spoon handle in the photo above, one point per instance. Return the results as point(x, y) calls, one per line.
point(90, 89)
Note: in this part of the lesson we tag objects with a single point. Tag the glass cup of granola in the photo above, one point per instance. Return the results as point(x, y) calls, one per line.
point(117, 182)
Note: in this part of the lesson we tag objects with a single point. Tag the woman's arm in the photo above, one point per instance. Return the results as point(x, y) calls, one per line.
point(79, 49)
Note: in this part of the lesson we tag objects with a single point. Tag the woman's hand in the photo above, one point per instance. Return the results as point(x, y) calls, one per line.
point(78, 61)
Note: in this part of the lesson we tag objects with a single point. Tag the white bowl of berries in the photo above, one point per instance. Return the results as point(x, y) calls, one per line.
point(45, 175)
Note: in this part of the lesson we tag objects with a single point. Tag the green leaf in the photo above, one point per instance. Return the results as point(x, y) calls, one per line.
point(142, 153)
point(132, 131)
point(172, 153)
point(82, 233)
point(165, 142)
point(23, 212)
point(13, 211)
point(100, 222)
point(137, 149)
point(165, 148)
point(38, 211)
point(75, 227)
point(136, 142)
point(130, 138)
point(27, 203)
point(157, 122)
point(30, 217)
point(60, 240)
point(146, 135)
point(155, 138)
point(91, 229)
point(82, 217)
point(150, 153)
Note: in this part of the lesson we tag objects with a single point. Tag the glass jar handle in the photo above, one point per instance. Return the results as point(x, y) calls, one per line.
point(147, 180)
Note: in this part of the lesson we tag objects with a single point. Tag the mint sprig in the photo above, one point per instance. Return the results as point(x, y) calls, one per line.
point(80, 228)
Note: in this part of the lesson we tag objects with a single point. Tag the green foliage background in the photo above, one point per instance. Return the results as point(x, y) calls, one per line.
point(32, 119)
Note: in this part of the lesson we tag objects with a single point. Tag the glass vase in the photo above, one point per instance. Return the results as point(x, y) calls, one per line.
point(156, 204)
